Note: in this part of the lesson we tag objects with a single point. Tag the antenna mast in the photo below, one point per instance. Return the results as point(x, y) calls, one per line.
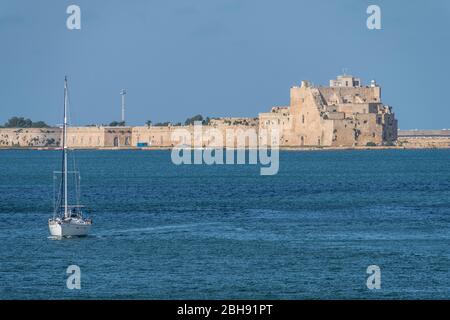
point(123, 92)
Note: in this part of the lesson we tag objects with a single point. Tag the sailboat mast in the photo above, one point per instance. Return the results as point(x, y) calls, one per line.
point(66, 213)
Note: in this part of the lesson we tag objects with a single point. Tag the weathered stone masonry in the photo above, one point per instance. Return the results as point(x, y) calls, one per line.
point(342, 115)
point(345, 114)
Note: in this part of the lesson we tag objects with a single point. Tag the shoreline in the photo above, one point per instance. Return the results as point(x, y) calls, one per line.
point(281, 148)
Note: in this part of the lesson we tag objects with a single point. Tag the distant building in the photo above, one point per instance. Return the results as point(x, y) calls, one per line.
point(346, 81)
point(345, 114)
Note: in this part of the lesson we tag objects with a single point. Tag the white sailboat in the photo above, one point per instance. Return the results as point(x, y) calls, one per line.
point(67, 220)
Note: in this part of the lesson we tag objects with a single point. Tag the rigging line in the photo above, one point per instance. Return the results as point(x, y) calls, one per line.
point(63, 151)
point(58, 196)
point(76, 176)
point(55, 202)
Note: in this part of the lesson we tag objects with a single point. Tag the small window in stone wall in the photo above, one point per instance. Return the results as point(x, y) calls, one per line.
point(303, 118)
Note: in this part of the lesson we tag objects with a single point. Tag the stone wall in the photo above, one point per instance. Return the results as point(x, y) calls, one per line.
point(424, 142)
point(204, 136)
point(77, 137)
point(118, 137)
point(99, 137)
point(85, 137)
point(424, 138)
point(30, 137)
point(424, 133)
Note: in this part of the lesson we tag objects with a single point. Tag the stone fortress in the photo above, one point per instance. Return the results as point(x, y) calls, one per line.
point(345, 114)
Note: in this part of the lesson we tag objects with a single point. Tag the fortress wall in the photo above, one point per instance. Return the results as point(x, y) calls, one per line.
point(85, 137)
point(424, 142)
point(357, 131)
point(208, 136)
point(99, 137)
point(424, 133)
point(336, 115)
point(350, 108)
point(117, 137)
point(153, 136)
point(310, 129)
point(30, 137)
point(390, 128)
point(369, 130)
point(240, 136)
point(366, 94)
point(278, 120)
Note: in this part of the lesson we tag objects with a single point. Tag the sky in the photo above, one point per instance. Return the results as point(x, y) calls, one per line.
point(217, 57)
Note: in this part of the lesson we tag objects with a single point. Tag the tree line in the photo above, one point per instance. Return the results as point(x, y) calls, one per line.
point(188, 122)
point(21, 122)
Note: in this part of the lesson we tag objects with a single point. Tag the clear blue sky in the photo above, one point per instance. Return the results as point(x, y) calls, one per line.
point(217, 57)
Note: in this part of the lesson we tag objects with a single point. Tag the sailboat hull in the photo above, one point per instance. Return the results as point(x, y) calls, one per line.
point(68, 229)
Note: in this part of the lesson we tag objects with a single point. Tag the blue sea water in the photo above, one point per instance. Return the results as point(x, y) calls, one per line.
point(163, 231)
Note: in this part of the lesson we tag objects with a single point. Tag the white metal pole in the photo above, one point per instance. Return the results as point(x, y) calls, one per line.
point(123, 107)
point(122, 93)
point(65, 148)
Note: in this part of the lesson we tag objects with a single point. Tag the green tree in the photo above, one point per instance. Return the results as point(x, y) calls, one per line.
point(117, 124)
point(190, 121)
point(162, 124)
point(148, 123)
point(21, 122)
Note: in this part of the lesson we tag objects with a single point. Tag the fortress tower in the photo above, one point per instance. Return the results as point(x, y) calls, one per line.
point(345, 114)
